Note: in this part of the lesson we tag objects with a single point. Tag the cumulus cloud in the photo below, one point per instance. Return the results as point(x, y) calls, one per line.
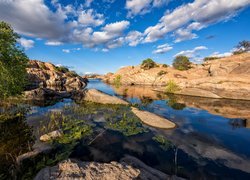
point(161, 49)
point(217, 54)
point(53, 43)
point(134, 38)
point(66, 50)
point(193, 53)
point(26, 43)
point(71, 50)
point(143, 6)
point(201, 12)
point(90, 18)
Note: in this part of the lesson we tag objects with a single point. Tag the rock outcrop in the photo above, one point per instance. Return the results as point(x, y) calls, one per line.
point(94, 95)
point(52, 135)
point(43, 74)
point(153, 120)
point(227, 77)
point(127, 169)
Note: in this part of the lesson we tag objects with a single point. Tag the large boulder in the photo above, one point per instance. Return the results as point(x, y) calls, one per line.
point(94, 95)
point(127, 169)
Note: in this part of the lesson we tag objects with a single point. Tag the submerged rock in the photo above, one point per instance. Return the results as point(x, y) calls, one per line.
point(129, 168)
point(153, 120)
point(94, 95)
point(38, 149)
point(51, 135)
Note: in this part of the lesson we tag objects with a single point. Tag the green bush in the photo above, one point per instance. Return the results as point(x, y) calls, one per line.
point(181, 63)
point(160, 73)
point(210, 58)
point(172, 87)
point(71, 74)
point(165, 65)
point(13, 63)
point(117, 80)
point(62, 69)
point(148, 64)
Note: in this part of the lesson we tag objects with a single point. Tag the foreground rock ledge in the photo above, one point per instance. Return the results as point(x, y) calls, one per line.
point(129, 168)
point(153, 119)
point(94, 95)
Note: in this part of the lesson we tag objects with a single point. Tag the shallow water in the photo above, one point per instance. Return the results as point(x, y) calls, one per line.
point(211, 141)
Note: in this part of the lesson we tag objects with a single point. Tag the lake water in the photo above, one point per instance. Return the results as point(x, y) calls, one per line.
point(211, 140)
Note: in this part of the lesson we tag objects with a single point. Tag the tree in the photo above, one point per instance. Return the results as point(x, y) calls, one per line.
point(181, 63)
point(13, 63)
point(244, 46)
point(148, 64)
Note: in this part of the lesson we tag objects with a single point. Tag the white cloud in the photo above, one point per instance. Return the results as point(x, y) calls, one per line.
point(200, 11)
point(134, 38)
point(161, 49)
point(88, 3)
point(117, 27)
point(143, 6)
point(66, 50)
point(26, 43)
point(90, 18)
point(217, 54)
point(192, 53)
point(53, 43)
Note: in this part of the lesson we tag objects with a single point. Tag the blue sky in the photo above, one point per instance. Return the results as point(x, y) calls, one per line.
point(100, 36)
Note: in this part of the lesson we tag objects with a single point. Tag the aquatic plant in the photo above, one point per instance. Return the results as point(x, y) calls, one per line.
point(172, 87)
point(165, 144)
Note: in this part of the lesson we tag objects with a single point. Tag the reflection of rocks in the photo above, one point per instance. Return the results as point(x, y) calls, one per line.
point(153, 120)
point(223, 107)
point(94, 95)
point(45, 94)
point(204, 148)
point(128, 168)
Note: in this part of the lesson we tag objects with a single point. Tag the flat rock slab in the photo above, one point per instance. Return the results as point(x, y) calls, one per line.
point(153, 120)
point(94, 95)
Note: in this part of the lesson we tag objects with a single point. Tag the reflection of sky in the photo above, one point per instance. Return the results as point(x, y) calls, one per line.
point(195, 120)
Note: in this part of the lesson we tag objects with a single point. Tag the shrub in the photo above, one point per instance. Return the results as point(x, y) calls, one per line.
point(160, 73)
point(117, 80)
point(238, 52)
point(72, 74)
point(243, 46)
point(62, 69)
point(181, 63)
point(165, 65)
point(172, 87)
point(210, 58)
point(13, 63)
point(148, 64)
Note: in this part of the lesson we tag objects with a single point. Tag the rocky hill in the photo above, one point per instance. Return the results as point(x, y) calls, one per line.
point(227, 77)
point(47, 81)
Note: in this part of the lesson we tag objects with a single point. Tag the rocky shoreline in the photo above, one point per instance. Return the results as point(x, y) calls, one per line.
point(227, 77)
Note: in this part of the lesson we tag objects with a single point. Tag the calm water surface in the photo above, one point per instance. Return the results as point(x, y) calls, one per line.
point(211, 141)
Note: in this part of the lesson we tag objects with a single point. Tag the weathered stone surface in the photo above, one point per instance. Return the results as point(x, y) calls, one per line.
point(46, 75)
point(51, 135)
point(227, 77)
point(129, 168)
point(153, 120)
point(45, 94)
point(94, 95)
